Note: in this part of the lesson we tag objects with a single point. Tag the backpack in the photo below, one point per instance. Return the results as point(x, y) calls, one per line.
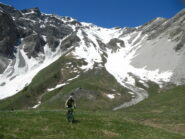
point(70, 102)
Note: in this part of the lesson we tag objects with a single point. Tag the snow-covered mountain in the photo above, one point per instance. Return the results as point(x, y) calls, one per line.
point(30, 41)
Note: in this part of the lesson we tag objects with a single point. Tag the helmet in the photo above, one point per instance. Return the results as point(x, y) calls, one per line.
point(70, 96)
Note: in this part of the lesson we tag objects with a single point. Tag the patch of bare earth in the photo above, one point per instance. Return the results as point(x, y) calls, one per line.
point(110, 134)
point(174, 128)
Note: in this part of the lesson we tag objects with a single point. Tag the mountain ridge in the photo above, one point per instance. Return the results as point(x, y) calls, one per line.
point(150, 53)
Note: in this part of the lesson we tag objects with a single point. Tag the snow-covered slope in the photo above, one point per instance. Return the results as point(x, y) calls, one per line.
point(152, 52)
point(16, 77)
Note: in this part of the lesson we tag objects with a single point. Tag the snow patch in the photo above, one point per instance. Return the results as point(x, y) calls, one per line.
point(73, 78)
point(145, 84)
point(131, 93)
point(56, 87)
point(37, 105)
point(31, 12)
point(89, 53)
point(111, 96)
point(104, 34)
point(42, 26)
point(63, 84)
point(119, 65)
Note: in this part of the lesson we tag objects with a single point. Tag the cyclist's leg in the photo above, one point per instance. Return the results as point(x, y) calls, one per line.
point(72, 115)
point(68, 114)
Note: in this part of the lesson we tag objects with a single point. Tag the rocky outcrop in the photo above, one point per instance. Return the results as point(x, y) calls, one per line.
point(181, 43)
point(69, 41)
point(53, 43)
point(3, 63)
point(33, 45)
point(54, 31)
point(8, 35)
point(115, 44)
point(11, 10)
point(81, 93)
point(152, 26)
point(33, 13)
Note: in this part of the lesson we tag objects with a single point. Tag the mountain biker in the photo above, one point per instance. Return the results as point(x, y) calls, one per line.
point(70, 105)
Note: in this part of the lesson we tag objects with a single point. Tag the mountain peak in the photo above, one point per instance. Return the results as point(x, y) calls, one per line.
point(182, 12)
point(35, 10)
point(179, 17)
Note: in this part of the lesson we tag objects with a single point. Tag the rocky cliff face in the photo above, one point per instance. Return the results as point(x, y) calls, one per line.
point(31, 40)
point(164, 49)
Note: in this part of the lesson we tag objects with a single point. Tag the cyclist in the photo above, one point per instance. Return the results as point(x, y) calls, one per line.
point(70, 105)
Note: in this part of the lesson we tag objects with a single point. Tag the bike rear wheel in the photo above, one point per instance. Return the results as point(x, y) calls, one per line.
point(70, 116)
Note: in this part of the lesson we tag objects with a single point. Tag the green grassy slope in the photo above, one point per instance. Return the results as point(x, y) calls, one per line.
point(161, 116)
point(98, 81)
point(89, 125)
point(165, 110)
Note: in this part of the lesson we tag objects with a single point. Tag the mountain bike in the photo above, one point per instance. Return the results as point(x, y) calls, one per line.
point(70, 115)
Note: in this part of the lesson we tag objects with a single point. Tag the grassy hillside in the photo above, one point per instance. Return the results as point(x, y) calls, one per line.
point(163, 110)
point(92, 86)
point(161, 116)
point(89, 125)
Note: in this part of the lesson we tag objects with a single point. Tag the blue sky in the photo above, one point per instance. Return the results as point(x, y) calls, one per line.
point(106, 13)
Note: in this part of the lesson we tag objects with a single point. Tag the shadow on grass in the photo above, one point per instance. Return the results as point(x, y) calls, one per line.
point(76, 121)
